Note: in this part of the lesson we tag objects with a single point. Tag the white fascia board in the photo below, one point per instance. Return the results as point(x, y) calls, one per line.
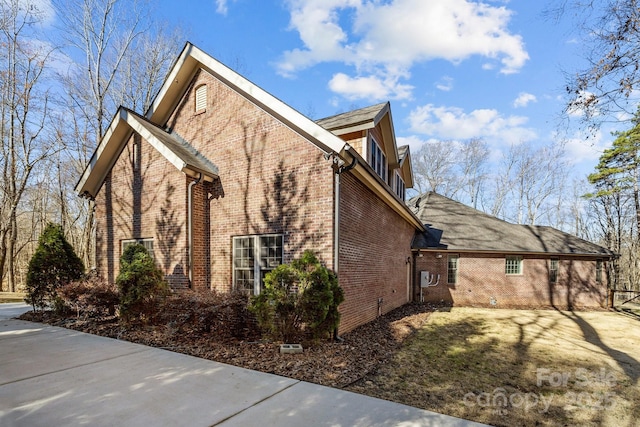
point(155, 143)
point(104, 157)
point(350, 129)
point(296, 121)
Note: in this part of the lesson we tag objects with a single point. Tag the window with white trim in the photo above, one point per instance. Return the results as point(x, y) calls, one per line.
point(377, 159)
point(146, 242)
point(513, 265)
point(253, 257)
point(399, 186)
point(452, 269)
point(553, 270)
point(201, 98)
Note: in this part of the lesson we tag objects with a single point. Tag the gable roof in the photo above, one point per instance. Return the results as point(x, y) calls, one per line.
point(177, 151)
point(454, 226)
point(360, 119)
point(178, 80)
point(364, 119)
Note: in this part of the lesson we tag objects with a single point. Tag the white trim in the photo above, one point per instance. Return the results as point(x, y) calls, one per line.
point(192, 58)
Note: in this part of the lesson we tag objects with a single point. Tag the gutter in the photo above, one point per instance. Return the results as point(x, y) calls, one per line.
point(190, 226)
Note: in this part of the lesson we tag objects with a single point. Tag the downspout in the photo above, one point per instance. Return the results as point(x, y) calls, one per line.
point(190, 226)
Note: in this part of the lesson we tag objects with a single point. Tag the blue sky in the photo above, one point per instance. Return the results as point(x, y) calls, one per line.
point(452, 69)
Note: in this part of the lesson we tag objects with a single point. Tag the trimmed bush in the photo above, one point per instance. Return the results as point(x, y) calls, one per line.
point(53, 265)
point(141, 285)
point(224, 315)
point(90, 296)
point(300, 299)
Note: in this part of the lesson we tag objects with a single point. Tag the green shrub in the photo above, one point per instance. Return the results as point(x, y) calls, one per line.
point(53, 265)
point(299, 299)
point(140, 283)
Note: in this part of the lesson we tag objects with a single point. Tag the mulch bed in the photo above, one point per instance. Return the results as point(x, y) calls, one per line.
point(334, 364)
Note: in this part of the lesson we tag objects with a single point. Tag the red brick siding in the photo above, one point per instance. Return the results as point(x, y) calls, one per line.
point(271, 180)
point(143, 201)
point(374, 248)
point(481, 278)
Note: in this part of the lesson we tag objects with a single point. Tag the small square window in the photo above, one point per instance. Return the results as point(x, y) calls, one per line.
point(513, 265)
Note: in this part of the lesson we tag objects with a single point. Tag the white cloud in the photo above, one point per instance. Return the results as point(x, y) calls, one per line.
point(371, 87)
point(580, 149)
point(222, 6)
point(524, 99)
point(445, 84)
point(390, 37)
point(454, 123)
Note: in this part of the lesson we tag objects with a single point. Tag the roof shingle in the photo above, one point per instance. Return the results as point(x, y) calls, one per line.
point(454, 226)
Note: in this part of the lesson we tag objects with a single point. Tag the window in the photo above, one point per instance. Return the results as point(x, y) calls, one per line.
point(378, 160)
point(201, 98)
point(452, 269)
point(553, 270)
point(400, 187)
point(253, 257)
point(513, 265)
point(599, 271)
point(147, 243)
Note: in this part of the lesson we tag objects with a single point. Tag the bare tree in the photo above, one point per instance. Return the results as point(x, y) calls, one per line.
point(472, 164)
point(24, 103)
point(124, 58)
point(610, 33)
point(435, 168)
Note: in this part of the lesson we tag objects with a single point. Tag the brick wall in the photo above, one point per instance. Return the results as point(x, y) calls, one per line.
point(143, 197)
point(482, 279)
point(374, 248)
point(271, 181)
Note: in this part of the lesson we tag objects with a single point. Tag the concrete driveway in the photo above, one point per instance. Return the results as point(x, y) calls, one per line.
point(51, 376)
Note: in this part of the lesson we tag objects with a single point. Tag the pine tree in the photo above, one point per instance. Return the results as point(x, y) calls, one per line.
point(53, 264)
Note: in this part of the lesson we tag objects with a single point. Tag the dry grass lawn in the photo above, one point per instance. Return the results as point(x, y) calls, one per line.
point(519, 368)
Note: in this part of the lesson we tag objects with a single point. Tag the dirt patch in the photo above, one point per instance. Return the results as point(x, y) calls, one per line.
point(334, 364)
point(518, 368)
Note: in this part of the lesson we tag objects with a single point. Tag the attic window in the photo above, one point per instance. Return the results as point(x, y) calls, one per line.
point(400, 186)
point(201, 98)
point(377, 159)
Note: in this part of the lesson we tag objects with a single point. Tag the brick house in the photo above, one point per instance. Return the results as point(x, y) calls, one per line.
point(480, 260)
point(222, 182)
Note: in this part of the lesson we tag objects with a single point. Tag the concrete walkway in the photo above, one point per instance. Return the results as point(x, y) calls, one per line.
point(51, 376)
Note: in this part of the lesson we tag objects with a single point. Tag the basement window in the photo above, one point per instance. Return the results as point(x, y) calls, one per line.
point(253, 258)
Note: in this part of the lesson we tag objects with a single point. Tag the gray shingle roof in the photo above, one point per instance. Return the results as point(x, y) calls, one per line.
point(454, 226)
point(181, 148)
point(402, 152)
point(351, 118)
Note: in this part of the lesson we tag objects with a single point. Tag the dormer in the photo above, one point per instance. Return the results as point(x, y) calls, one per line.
point(370, 132)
